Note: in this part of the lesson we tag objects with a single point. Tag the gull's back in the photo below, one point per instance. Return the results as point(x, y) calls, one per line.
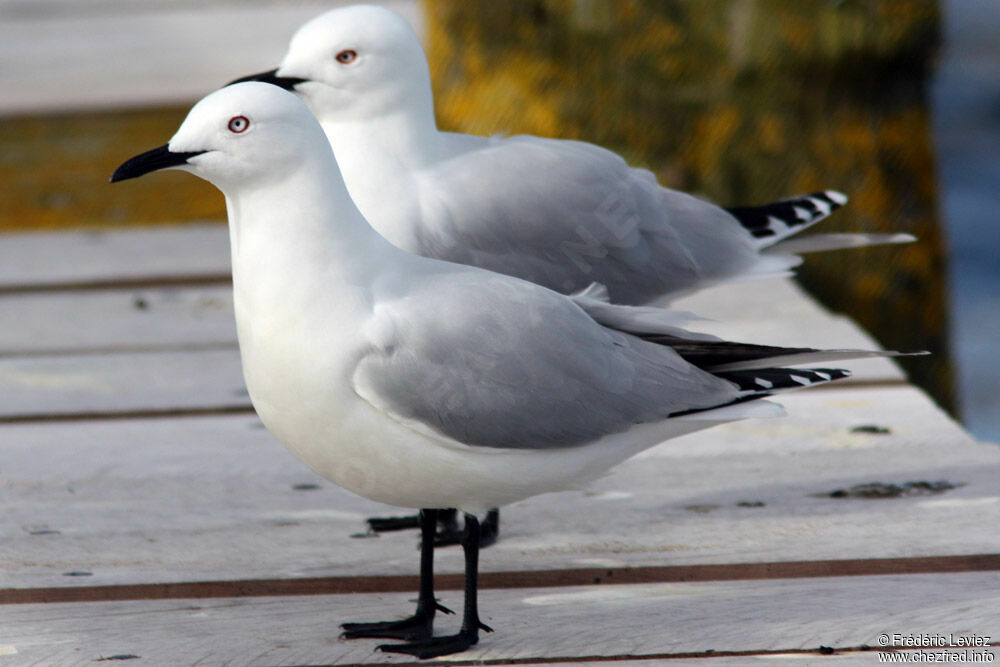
point(563, 214)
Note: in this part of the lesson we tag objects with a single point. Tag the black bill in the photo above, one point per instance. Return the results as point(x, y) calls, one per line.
point(154, 160)
point(271, 76)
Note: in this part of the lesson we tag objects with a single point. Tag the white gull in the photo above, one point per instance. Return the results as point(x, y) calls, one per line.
point(560, 213)
point(428, 384)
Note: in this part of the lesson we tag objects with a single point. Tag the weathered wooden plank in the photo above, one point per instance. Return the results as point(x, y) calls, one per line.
point(55, 54)
point(204, 499)
point(593, 576)
point(118, 320)
point(120, 382)
point(104, 257)
point(197, 364)
point(775, 312)
point(655, 622)
point(174, 379)
point(772, 311)
point(123, 321)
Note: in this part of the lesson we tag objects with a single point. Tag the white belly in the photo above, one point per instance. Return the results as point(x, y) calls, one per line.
point(300, 382)
point(345, 439)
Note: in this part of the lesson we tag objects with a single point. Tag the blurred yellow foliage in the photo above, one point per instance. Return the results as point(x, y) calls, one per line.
point(740, 101)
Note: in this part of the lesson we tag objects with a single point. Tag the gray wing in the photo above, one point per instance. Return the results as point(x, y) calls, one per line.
point(493, 362)
point(565, 214)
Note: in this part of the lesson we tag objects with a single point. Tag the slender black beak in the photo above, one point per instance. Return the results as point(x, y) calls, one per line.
point(154, 160)
point(271, 76)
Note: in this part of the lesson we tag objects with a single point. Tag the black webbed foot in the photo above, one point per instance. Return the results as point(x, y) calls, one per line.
point(421, 624)
point(418, 626)
point(434, 647)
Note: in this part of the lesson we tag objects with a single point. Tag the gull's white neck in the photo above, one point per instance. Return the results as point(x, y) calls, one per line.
point(406, 130)
point(299, 235)
point(305, 268)
point(381, 154)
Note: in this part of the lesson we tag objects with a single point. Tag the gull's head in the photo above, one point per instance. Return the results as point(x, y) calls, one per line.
point(244, 134)
point(353, 63)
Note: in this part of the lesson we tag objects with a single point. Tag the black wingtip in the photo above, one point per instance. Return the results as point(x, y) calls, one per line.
point(160, 157)
point(774, 380)
point(771, 220)
point(271, 77)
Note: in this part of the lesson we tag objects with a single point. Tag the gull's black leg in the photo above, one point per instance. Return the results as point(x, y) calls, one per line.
point(421, 623)
point(449, 533)
point(468, 636)
point(490, 530)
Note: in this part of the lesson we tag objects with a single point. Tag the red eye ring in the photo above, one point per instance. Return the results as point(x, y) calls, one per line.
point(238, 124)
point(347, 56)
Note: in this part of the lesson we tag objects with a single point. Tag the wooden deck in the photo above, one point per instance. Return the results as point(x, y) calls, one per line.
point(148, 517)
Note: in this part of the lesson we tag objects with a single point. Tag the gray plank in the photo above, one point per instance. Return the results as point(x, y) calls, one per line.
point(117, 320)
point(196, 364)
point(177, 378)
point(54, 54)
point(47, 259)
point(48, 365)
point(773, 311)
point(199, 499)
point(655, 621)
point(120, 382)
point(145, 317)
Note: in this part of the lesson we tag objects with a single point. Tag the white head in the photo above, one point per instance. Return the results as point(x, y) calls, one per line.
point(242, 135)
point(355, 63)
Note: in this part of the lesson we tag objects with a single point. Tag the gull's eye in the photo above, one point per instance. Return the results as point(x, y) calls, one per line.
point(238, 124)
point(347, 57)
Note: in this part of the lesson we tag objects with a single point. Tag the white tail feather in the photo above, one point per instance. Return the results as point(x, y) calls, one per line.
point(759, 409)
point(822, 242)
point(819, 356)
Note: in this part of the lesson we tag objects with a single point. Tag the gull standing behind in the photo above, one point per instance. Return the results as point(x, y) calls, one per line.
point(563, 214)
point(427, 384)
point(560, 213)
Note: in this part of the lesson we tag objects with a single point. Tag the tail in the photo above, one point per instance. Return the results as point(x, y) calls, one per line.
point(771, 223)
point(707, 352)
point(758, 371)
point(721, 356)
point(821, 242)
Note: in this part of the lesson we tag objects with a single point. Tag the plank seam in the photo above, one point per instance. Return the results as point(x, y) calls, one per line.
point(121, 349)
point(101, 284)
point(506, 580)
point(113, 415)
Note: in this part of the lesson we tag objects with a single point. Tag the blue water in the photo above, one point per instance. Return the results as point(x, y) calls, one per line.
point(966, 105)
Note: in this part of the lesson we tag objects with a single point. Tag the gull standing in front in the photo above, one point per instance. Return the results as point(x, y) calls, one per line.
point(427, 384)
